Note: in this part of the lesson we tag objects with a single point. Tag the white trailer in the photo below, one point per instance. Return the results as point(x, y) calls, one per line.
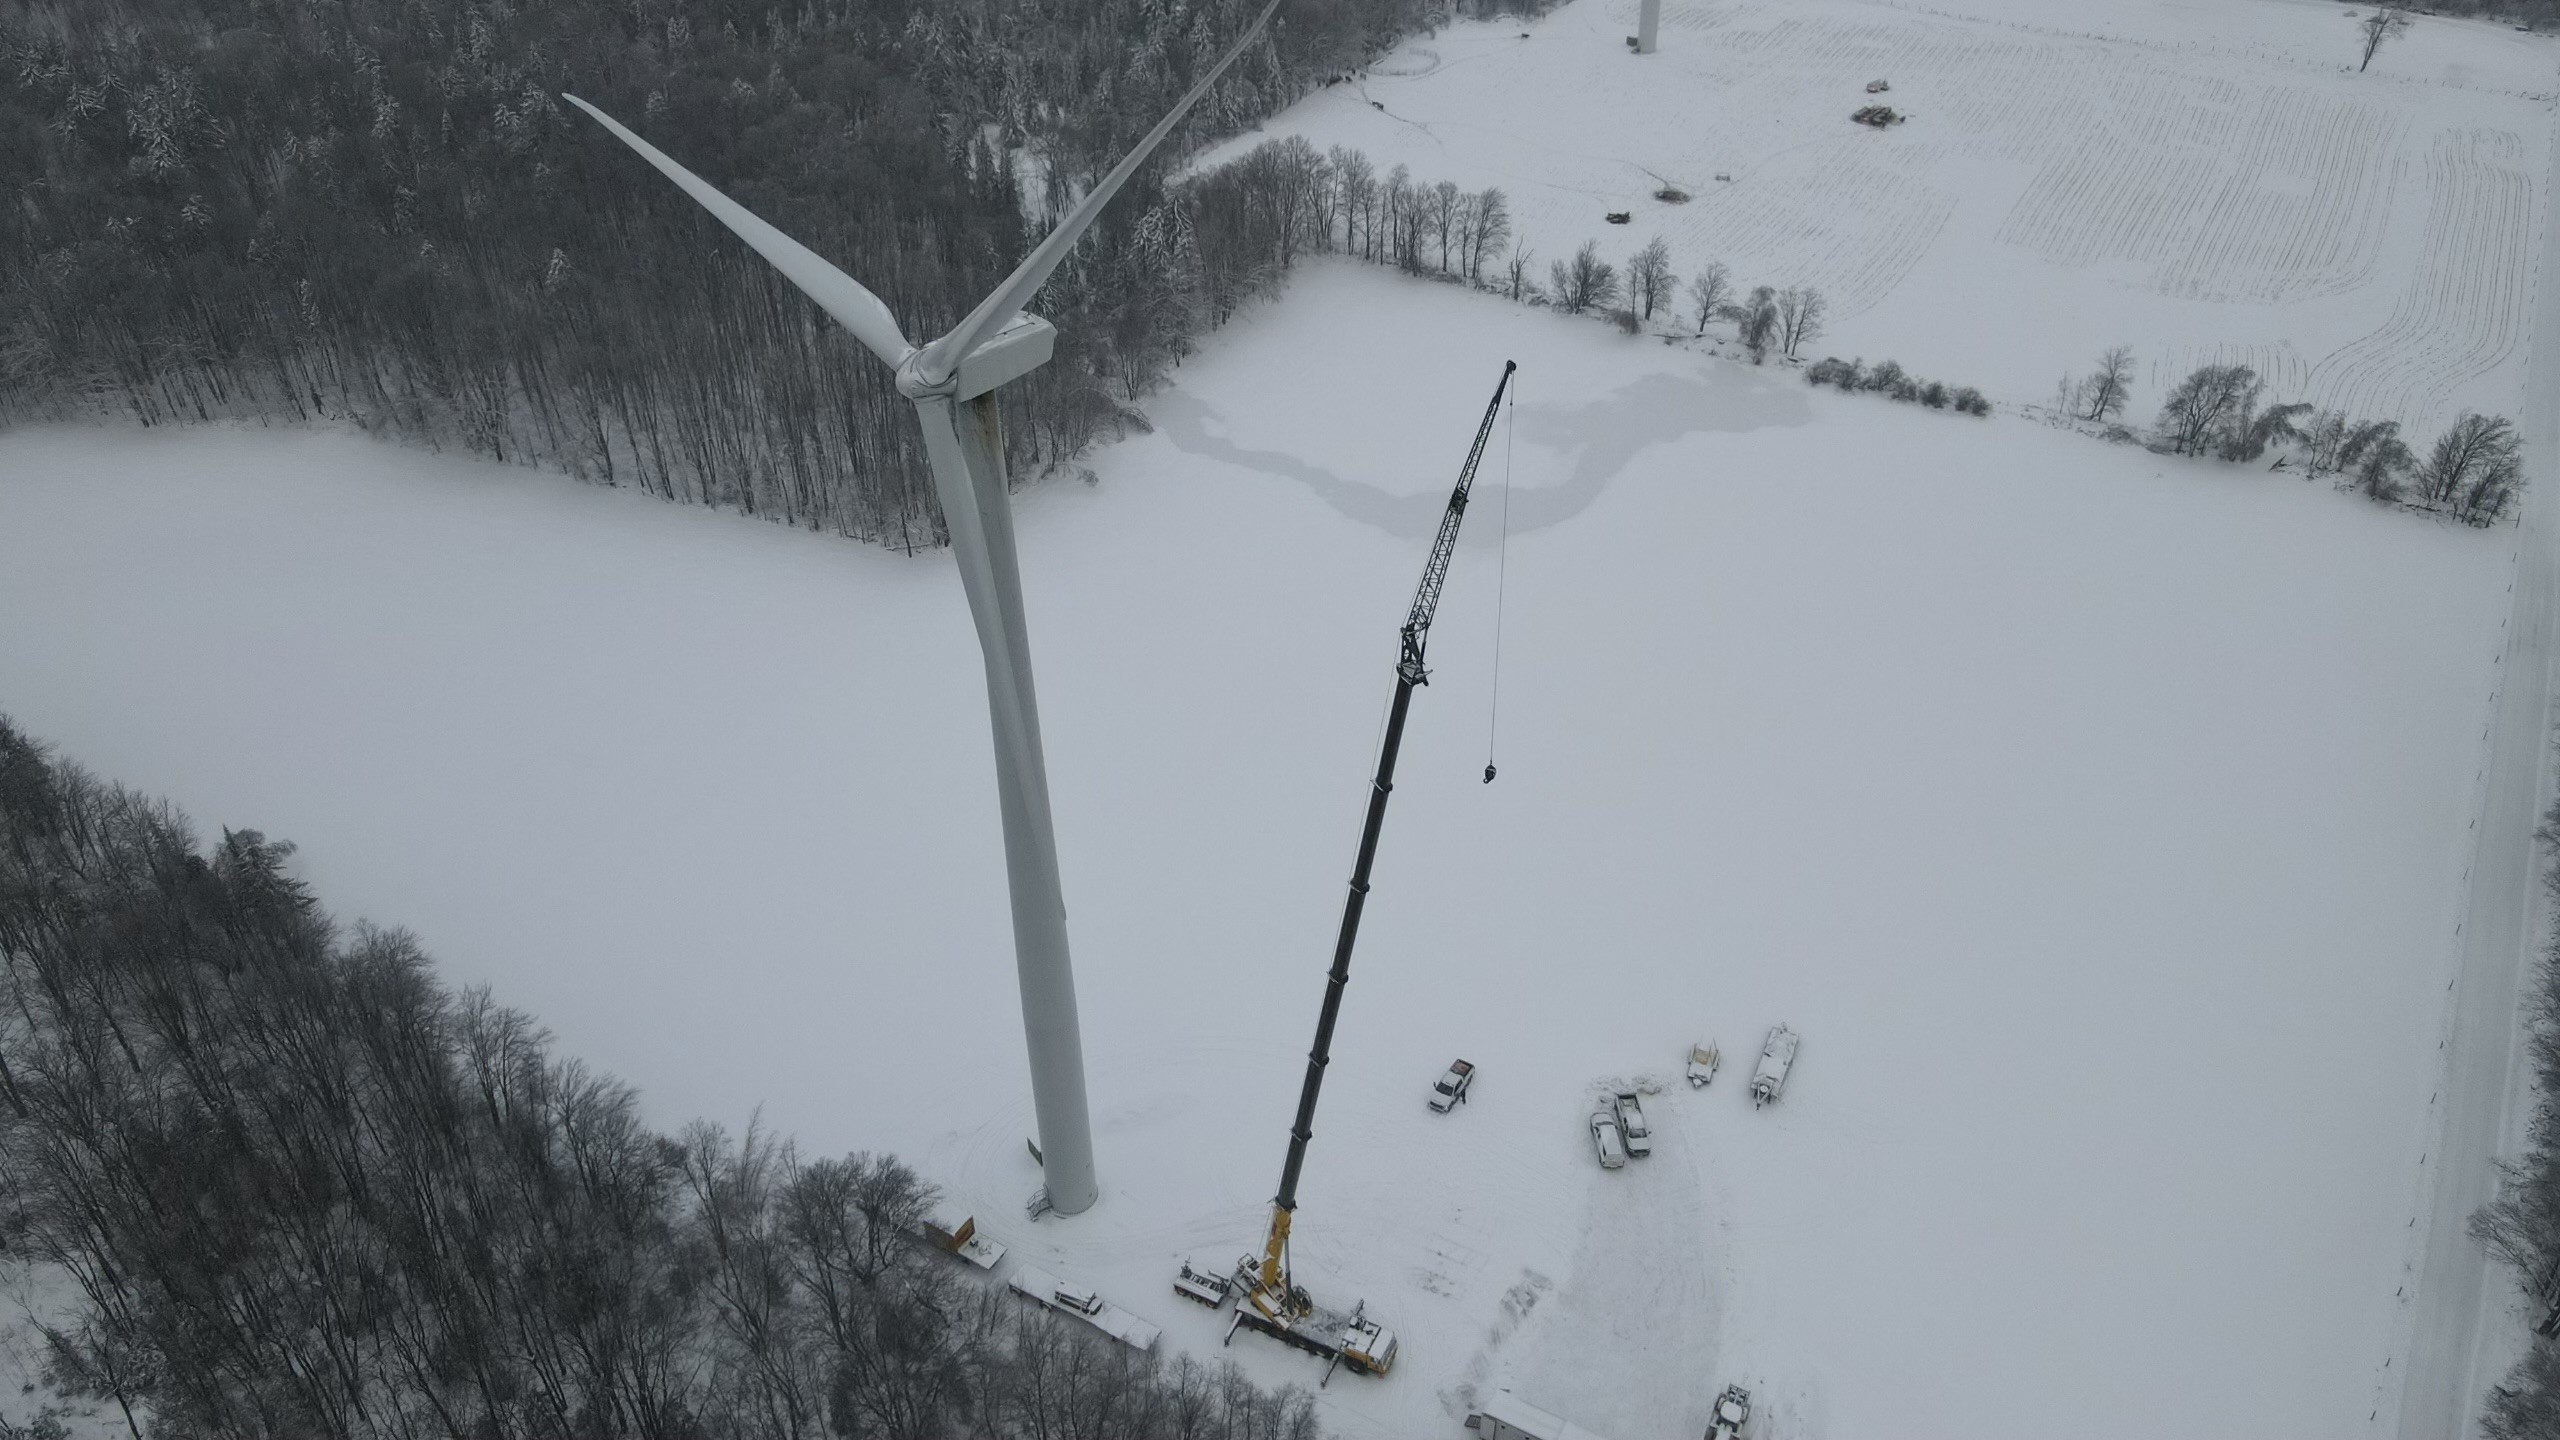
point(1776, 1057)
point(1505, 1416)
point(1084, 1305)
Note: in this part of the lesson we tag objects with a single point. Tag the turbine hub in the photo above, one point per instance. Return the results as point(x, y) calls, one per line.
point(916, 383)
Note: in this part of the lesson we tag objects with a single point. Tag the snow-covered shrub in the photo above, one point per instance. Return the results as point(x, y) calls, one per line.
point(1832, 370)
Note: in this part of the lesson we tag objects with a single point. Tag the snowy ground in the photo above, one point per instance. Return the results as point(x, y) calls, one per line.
point(2099, 819)
point(2199, 181)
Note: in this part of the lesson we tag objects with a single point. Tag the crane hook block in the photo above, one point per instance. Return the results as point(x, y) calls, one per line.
point(1488, 774)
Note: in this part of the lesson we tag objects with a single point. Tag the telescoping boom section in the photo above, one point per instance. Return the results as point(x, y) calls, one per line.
point(1270, 1302)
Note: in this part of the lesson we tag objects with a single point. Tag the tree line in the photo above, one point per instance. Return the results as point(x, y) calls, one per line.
point(2474, 471)
point(1284, 199)
point(1890, 380)
point(301, 1188)
point(2521, 1227)
point(378, 212)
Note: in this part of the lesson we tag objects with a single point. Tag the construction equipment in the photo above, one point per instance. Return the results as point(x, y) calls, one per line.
point(1703, 1060)
point(1733, 1411)
point(1269, 1302)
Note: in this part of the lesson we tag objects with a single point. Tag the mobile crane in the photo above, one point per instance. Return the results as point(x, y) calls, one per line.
point(1268, 1301)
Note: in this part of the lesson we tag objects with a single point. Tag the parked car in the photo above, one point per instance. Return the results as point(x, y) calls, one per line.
point(1631, 1122)
point(1606, 1138)
point(1450, 1089)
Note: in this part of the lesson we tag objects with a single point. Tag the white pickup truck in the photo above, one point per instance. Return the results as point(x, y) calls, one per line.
point(1608, 1139)
point(1733, 1411)
point(1450, 1090)
point(1632, 1124)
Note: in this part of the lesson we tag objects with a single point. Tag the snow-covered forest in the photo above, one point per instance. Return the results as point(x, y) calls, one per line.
point(302, 1187)
point(382, 213)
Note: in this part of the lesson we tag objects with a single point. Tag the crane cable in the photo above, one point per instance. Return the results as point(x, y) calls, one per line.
point(1502, 575)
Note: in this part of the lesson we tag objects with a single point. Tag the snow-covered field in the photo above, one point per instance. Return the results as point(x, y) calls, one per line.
point(2098, 819)
point(2203, 182)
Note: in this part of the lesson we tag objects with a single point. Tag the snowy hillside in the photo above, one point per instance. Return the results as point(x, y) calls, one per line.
point(2203, 183)
point(2099, 820)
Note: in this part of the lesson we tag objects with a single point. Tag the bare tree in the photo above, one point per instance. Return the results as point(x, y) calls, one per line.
point(2381, 25)
point(1440, 210)
point(1327, 203)
point(1518, 269)
point(1585, 281)
point(1756, 321)
point(2102, 395)
point(1800, 312)
point(1358, 181)
point(1649, 278)
point(1397, 202)
point(2200, 411)
point(1710, 292)
point(2321, 438)
point(1493, 226)
point(2376, 455)
point(2253, 431)
point(2475, 461)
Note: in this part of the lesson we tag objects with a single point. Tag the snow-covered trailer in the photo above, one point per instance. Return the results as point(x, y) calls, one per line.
point(947, 1230)
point(1703, 1060)
point(1084, 1305)
point(1775, 1059)
point(1505, 1416)
point(1195, 1282)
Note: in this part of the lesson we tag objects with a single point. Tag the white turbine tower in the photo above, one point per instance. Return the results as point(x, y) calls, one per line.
point(997, 342)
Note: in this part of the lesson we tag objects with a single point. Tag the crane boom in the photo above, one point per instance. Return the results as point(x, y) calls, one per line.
point(1435, 571)
point(1272, 1289)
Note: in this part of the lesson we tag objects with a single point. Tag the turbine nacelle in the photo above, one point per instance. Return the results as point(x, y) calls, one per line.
point(1011, 353)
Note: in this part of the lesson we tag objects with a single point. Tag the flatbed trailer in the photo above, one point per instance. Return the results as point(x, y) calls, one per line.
point(1037, 1284)
point(1777, 1057)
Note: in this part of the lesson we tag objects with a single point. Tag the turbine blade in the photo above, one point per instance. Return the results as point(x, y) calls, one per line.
point(837, 293)
point(943, 356)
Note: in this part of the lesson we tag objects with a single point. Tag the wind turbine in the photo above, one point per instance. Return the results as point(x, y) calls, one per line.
point(952, 381)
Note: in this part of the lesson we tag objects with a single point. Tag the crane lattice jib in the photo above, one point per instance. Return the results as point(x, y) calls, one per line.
point(1435, 571)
